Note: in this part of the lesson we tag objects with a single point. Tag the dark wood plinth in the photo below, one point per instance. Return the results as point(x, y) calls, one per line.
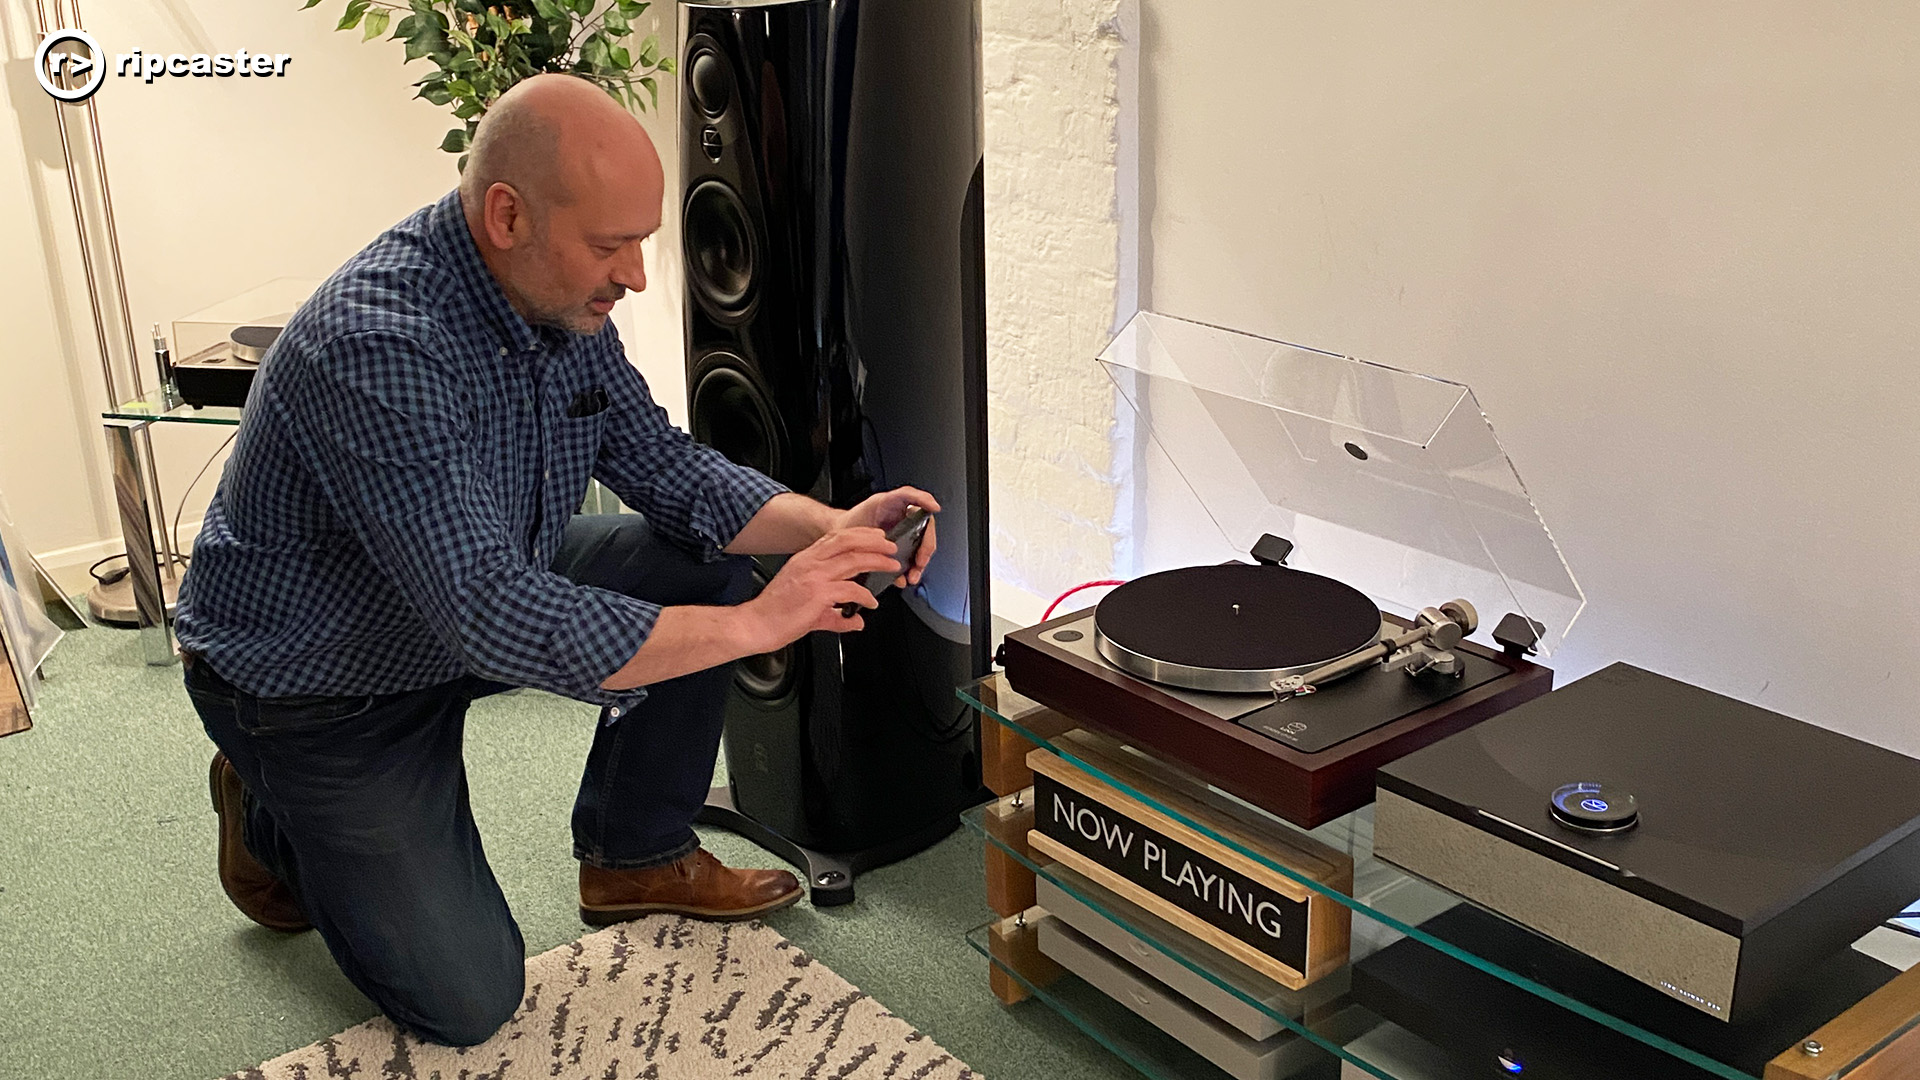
point(1306, 789)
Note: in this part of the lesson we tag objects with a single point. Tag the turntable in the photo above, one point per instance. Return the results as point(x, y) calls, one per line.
point(1338, 532)
point(220, 347)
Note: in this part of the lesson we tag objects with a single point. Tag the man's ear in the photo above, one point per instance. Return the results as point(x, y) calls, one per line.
point(504, 214)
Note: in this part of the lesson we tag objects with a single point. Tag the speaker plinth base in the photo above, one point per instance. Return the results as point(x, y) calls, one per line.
point(829, 875)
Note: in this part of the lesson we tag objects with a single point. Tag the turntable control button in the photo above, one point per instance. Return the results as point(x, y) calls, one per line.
point(1068, 635)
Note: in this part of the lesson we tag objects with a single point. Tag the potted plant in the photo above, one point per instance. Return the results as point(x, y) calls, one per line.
point(480, 48)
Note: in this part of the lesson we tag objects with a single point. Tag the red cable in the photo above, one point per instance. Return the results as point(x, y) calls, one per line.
point(1075, 589)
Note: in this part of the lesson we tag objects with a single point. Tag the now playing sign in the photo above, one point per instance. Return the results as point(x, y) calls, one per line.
point(1253, 913)
point(1174, 872)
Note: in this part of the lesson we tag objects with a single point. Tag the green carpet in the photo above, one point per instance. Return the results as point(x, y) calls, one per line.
point(120, 956)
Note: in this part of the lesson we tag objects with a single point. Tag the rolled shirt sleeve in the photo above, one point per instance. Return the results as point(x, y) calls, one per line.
point(387, 433)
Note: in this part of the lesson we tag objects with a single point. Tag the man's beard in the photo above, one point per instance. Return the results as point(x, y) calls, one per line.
point(570, 319)
point(576, 318)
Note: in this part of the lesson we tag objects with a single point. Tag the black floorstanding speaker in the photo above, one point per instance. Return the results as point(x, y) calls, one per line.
point(836, 340)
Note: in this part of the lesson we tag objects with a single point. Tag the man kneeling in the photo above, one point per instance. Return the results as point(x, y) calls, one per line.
point(394, 537)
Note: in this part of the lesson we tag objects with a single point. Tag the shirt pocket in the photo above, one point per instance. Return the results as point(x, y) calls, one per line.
point(575, 451)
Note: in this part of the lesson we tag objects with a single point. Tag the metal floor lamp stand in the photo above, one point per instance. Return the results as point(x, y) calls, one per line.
point(153, 570)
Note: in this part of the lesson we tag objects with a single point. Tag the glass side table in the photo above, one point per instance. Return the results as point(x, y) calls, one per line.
point(1435, 988)
point(128, 430)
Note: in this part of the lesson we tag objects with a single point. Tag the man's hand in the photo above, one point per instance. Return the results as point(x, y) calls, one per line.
point(805, 595)
point(807, 592)
point(884, 511)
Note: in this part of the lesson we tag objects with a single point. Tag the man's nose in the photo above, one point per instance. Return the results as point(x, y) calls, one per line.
point(630, 271)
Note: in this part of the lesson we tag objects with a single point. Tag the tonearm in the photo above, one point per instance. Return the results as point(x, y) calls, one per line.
point(1427, 646)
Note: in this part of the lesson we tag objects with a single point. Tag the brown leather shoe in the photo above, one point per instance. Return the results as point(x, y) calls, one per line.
point(698, 886)
point(252, 887)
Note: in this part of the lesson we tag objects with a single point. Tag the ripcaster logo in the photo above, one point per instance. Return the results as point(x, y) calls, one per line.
point(70, 65)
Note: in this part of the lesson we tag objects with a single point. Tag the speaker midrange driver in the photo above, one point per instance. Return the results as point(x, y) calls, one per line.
point(722, 254)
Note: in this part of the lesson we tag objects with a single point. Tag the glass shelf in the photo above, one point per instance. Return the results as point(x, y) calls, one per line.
point(155, 408)
point(1135, 1040)
point(1437, 930)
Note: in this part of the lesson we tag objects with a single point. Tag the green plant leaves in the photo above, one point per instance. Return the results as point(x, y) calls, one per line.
point(481, 48)
point(595, 53)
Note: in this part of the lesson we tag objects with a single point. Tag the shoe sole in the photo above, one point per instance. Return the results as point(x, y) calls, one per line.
point(607, 916)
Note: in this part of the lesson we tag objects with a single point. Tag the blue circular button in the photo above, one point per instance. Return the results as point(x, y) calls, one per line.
point(1594, 807)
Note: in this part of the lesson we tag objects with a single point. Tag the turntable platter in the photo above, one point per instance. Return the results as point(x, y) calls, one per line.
point(1232, 628)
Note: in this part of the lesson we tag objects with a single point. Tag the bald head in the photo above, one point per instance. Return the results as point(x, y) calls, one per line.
point(561, 185)
point(548, 135)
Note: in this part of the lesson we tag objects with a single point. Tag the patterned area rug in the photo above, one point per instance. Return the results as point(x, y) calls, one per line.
point(660, 999)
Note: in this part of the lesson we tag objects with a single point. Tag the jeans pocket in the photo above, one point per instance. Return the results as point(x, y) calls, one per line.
point(291, 715)
point(205, 701)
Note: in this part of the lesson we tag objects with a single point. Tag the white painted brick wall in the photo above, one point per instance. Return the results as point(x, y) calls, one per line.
point(1053, 110)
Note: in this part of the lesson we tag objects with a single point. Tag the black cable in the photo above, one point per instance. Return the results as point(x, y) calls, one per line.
point(112, 576)
point(107, 579)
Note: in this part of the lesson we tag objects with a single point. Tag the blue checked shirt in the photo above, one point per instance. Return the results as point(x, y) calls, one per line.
point(401, 480)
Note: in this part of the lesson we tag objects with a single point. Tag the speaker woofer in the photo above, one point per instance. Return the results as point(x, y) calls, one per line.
point(731, 413)
point(720, 249)
point(769, 676)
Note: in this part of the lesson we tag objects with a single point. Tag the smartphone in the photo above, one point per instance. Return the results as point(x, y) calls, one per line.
point(906, 536)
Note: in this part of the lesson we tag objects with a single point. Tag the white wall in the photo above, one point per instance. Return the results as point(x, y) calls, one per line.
point(1670, 245)
point(218, 184)
point(1056, 133)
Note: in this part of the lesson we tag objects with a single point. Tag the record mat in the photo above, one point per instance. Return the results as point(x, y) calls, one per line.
point(1180, 626)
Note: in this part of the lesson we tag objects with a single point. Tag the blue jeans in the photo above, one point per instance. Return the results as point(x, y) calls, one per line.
point(360, 803)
